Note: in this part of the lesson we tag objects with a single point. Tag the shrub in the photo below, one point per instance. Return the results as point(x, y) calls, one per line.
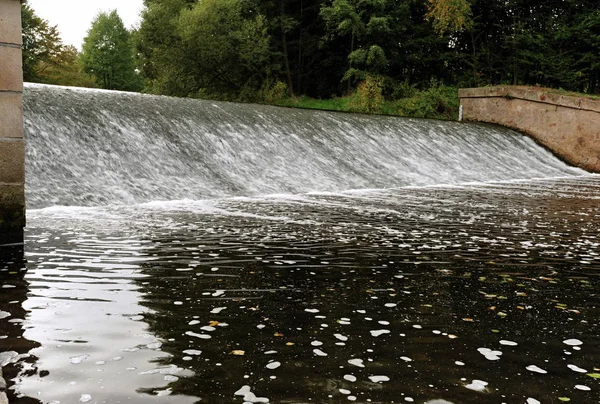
point(368, 97)
point(439, 102)
point(275, 93)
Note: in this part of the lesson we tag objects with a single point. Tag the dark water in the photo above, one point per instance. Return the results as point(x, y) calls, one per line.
point(384, 296)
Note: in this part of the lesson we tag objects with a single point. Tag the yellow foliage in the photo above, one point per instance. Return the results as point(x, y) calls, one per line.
point(449, 15)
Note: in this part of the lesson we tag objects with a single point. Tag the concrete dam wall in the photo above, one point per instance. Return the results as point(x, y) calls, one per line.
point(568, 126)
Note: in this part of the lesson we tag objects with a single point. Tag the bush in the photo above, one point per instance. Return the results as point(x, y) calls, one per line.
point(439, 102)
point(275, 93)
point(368, 97)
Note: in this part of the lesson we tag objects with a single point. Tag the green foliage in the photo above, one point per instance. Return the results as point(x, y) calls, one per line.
point(321, 49)
point(64, 69)
point(45, 58)
point(368, 96)
point(41, 43)
point(230, 51)
point(364, 22)
point(160, 53)
point(107, 54)
point(275, 93)
point(439, 102)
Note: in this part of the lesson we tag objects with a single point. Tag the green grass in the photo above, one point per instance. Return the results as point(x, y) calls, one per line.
point(437, 102)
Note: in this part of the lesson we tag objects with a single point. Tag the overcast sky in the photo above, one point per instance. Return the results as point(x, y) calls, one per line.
point(74, 17)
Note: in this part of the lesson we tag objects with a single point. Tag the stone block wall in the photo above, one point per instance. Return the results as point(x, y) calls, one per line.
point(12, 147)
point(569, 126)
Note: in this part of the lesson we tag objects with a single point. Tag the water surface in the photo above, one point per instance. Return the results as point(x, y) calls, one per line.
point(473, 293)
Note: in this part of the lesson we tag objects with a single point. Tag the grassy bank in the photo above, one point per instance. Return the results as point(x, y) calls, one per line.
point(436, 102)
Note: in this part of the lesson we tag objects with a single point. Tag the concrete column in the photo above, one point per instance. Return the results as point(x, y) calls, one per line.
point(12, 148)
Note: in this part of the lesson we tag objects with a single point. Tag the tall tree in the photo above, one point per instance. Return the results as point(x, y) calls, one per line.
point(41, 43)
point(107, 54)
point(230, 49)
point(364, 23)
point(161, 54)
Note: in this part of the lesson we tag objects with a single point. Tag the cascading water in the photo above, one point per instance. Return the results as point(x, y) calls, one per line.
point(93, 147)
point(372, 289)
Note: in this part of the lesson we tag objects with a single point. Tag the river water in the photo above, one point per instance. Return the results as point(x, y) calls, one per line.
point(448, 291)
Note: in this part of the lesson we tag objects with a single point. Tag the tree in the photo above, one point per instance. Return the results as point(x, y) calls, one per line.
point(64, 69)
point(107, 54)
point(41, 43)
point(230, 50)
point(365, 23)
point(449, 15)
point(160, 50)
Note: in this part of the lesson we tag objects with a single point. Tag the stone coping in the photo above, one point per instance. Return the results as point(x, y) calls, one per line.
point(535, 94)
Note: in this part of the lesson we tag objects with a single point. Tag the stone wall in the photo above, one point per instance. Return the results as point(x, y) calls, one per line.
point(12, 148)
point(568, 126)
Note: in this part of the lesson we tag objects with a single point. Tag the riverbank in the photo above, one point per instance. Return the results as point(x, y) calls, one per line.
point(436, 102)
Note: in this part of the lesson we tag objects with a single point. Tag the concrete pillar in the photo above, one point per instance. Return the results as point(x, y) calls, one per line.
point(12, 148)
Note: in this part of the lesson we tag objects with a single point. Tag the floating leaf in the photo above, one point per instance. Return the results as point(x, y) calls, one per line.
point(289, 343)
point(213, 323)
point(594, 375)
point(238, 352)
point(496, 331)
point(564, 398)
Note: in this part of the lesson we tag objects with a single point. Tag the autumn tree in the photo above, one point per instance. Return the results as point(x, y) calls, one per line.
point(41, 43)
point(450, 16)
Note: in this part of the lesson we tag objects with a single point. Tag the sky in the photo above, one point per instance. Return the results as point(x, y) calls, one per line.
point(74, 17)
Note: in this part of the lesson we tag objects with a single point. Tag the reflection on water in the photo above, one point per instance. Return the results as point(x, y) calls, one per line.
point(483, 293)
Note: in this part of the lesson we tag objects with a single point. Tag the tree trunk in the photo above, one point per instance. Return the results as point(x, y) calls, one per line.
point(300, 66)
point(288, 73)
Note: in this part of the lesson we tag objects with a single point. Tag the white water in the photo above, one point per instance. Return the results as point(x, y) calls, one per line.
point(91, 147)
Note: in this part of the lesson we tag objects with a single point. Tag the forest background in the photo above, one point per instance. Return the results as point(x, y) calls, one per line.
point(399, 57)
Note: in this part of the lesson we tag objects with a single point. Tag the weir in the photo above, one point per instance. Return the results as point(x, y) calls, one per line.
point(189, 251)
point(93, 147)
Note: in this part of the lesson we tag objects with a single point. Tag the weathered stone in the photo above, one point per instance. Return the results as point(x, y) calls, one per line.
point(11, 111)
point(11, 67)
point(12, 161)
point(12, 213)
point(10, 22)
point(3, 398)
point(12, 150)
point(568, 126)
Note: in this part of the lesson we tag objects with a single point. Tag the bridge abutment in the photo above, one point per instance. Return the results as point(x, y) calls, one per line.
point(567, 125)
point(12, 147)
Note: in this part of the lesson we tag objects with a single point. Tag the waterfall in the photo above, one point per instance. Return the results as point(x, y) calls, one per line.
point(95, 147)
